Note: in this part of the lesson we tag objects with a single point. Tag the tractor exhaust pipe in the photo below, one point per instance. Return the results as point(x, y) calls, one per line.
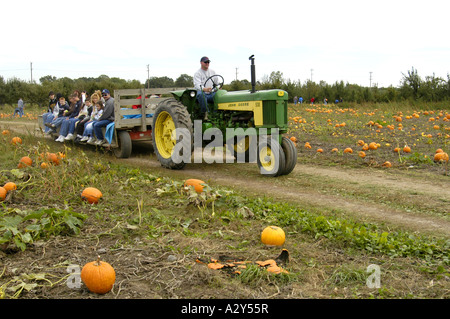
point(252, 70)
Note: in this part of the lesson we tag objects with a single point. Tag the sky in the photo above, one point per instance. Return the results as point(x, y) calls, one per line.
point(358, 42)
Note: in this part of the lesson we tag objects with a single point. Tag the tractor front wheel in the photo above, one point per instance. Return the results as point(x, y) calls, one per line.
point(271, 159)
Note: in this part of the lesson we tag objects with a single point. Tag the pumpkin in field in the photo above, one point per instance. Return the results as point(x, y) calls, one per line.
point(373, 146)
point(16, 140)
point(5, 132)
point(10, 186)
point(407, 149)
point(362, 154)
point(293, 139)
point(273, 236)
point(25, 161)
point(44, 165)
point(387, 164)
point(91, 194)
point(348, 150)
point(441, 157)
point(196, 183)
point(98, 276)
point(3, 192)
point(53, 158)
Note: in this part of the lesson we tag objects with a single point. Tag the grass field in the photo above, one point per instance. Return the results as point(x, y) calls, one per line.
point(337, 210)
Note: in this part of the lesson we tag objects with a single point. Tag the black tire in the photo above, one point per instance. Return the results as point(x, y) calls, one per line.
point(124, 145)
point(290, 154)
point(169, 116)
point(270, 158)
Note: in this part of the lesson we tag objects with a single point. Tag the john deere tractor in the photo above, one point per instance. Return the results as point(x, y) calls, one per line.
point(250, 123)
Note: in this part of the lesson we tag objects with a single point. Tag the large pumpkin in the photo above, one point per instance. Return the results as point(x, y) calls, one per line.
point(273, 236)
point(10, 186)
point(25, 161)
point(16, 140)
point(197, 183)
point(3, 192)
point(441, 157)
point(98, 276)
point(91, 195)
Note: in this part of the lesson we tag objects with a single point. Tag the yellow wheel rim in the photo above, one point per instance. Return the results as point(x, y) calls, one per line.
point(165, 134)
point(243, 145)
point(267, 158)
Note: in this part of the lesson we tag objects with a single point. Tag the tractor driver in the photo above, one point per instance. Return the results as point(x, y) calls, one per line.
point(204, 90)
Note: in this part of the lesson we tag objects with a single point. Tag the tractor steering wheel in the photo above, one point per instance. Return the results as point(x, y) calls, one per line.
point(215, 87)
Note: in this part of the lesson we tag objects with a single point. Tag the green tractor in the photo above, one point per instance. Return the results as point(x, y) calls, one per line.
point(250, 123)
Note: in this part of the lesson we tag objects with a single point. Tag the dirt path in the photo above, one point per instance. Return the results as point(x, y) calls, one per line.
point(245, 177)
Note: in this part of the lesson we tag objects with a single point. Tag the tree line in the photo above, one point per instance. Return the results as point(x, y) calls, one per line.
point(412, 88)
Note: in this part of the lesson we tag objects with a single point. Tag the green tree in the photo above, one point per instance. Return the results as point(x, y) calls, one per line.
point(184, 80)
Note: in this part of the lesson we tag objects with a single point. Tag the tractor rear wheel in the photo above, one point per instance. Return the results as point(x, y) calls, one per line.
point(270, 158)
point(170, 116)
point(290, 154)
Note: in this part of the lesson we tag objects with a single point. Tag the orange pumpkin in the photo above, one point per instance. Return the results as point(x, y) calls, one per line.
point(373, 146)
point(53, 158)
point(5, 132)
point(294, 139)
point(361, 154)
point(407, 149)
point(91, 194)
point(16, 140)
point(441, 157)
point(98, 276)
point(387, 164)
point(10, 186)
point(348, 150)
point(44, 165)
point(3, 192)
point(25, 161)
point(196, 183)
point(273, 236)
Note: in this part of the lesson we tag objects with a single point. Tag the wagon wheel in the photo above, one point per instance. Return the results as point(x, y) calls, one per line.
point(170, 116)
point(124, 145)
point(271, 159)
point(290, 154)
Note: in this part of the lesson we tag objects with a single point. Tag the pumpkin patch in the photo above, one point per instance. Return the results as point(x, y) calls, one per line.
point(98, 276)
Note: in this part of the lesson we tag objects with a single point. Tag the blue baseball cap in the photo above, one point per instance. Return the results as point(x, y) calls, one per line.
point(106, 91)
point(205, 59)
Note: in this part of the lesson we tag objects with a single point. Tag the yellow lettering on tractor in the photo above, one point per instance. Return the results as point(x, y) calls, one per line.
point(254, 106)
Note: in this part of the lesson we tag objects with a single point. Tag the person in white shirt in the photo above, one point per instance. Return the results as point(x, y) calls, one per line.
point(204, 90)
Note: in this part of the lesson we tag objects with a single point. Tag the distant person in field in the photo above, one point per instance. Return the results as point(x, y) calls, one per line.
point(19, 108)
point(300, 100)
point(312, 100)
point(204, 90)
point(295, 100)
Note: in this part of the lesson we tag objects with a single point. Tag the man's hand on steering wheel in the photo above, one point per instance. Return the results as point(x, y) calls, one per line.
point(215, 87)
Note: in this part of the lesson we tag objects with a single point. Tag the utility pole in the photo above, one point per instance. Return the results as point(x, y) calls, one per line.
point(148, 76)
point(311, 73)
point(31, 70)
point(236, 73)
point(370, 79)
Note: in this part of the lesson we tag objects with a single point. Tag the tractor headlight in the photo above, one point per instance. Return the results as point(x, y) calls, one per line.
point(280, 93)
point(193, 94)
